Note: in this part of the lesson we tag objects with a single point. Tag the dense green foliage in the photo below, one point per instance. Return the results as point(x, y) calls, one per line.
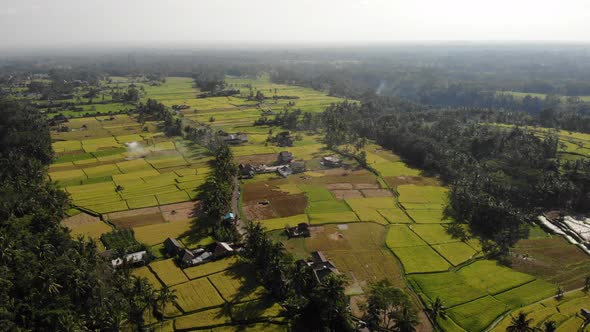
point(48, 280)
point(500, 177)
point(312, 305)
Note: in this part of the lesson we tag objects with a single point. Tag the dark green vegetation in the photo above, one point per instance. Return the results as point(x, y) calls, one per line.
point(50, 281)
point(500, 178)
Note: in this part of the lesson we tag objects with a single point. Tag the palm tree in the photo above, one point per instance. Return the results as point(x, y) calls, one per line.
point(520, 323)
point(437, 309)
point(406, 319)
point(550, 326)
point(163, 297)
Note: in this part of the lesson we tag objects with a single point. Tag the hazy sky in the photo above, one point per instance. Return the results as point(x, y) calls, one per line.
point(119, 22)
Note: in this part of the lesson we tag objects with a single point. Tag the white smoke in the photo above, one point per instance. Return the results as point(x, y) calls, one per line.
point(136, 150)
point(381, 87)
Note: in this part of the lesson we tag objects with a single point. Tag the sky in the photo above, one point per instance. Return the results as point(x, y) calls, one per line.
point(40, 23)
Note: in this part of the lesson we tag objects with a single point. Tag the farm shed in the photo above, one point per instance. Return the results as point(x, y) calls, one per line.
point(222, 249)
point(246, 171)
point(331, 161)
point(285, 157)
point(136, 258)
point(173, 247)
point(321, 266)
point(301, 230)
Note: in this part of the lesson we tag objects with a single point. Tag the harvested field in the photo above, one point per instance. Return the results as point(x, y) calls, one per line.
point(344, 194)
point(395, 181)
point(91, 230)
point(553, 259)
point(255, 211)
point(78, 220)
point(339, 186)
point(290, 205)
point(366, 186)
point(257, 159)
point(376, 193)
point(138, 221)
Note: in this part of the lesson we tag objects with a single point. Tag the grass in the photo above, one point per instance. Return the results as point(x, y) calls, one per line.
point(477, 315)
point(173, 197)
point(399, 236)
point(120, 240)
point(333, 218)
point(331, 206)
point(493, 278)
point(433, 234)
point(527, 293)
point(455, 252)
point(410, 193)
point(421, 259)
point(168, 272)
point(428, 216)
point(317, 193)
point(196, 295)
point(210, 268)
point(395, 216)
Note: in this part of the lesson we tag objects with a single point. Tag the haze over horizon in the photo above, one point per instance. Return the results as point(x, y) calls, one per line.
point(36, 23)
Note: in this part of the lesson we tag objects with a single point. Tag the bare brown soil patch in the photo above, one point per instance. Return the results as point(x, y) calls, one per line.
point(356, 303)
point(376, 193)
point(366, 186)
point(79, 220)
point(255, 211)
point(343, 194)
point(339, 186)
point(177, 206)
point(395, 181)
point(132, 213)
point(289, 205)
point(259, 191)
point(257, 159)
point(137, 221)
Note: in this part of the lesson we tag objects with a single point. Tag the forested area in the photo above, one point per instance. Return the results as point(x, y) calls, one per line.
point(501, 177)
point(49, 281)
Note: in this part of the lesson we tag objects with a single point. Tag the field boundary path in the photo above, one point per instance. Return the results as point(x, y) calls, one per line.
point(235, 207)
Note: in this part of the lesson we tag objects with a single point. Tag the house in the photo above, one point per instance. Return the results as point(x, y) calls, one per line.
point(58, 119)
point(321, 266)
point(222, 249)
point(173, 247)
point(246, 171)
point(297, 167)
point(301, 230)
point(585, 313)
point(285, 171)
point(235, 139)
point(331, 161)
point(285, 157)
point(195, 257)
point(136, 258)
point(284, 139)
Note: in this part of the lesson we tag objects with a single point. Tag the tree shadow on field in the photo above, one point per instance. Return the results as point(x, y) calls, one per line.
point(201, 226)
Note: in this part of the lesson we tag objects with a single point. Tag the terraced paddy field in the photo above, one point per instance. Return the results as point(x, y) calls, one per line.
point(383, 222)
point(565, 313)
